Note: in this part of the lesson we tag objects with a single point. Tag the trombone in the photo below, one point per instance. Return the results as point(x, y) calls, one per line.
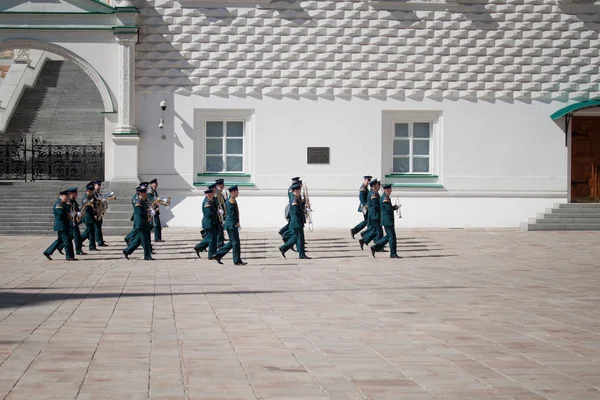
point(307, 209)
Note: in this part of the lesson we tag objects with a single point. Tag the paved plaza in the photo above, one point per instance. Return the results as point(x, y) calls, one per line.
point(465, 314)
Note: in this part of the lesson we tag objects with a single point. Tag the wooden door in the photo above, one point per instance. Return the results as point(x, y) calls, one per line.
point(585, 159)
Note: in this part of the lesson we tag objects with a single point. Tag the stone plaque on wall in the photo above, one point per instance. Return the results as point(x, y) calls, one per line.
point(317, 155)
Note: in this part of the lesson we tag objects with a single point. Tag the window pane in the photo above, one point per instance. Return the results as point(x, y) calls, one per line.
point(421, 130)
point(401, 165)
point(421, 164)
point(214, 129)
point(420, 147)
point(401, 147)
point(235, 164)
point(214, 164)
point(401, 130)
point(235, 146)
point(235, 129)
point(214, 146)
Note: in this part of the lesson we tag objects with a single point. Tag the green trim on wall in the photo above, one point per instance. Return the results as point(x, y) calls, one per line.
point(225, 175)
point(127, 10)
point(54, 28)
point(418, 185)
point(248, 184)
point(411, 176)
point(125, 133)
point(58, 12)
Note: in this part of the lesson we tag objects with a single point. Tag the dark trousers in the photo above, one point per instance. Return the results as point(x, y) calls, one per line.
point(233, 243)
point(390, 237)
point(131, 235)
point(297, 238)
point(98, 228)
point(361, 225)
point(64, 238)
point(157, 228)
point(285, 228)
point(375, 233)
point(89, 233)
point(210, 242)
point(142, 237)
point(77, 239)
point(220, 235)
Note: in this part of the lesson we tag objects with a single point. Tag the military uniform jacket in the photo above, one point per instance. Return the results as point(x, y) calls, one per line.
point(363, 197)
point(209, 214)
point(233, 214)
point(61, 216)
point(134, 200)
point(88, 213)
point(296, 213)
point(75, 207)
point(387, 211)
point(152, 195)
point(374, 208)
point(140, 215)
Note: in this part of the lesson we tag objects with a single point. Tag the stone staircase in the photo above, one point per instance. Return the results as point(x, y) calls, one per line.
point(63, 107)
point(26, 208)
point(566, 217)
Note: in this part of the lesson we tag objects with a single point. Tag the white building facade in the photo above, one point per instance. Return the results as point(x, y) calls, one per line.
point(448, 100)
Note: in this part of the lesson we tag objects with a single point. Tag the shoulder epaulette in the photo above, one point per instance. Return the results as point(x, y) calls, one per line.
point(232, 201)
point(294, 203)
point(58, 206)
point(138, 204)
point(207, 205)
point(386, 200)
point(374, 196)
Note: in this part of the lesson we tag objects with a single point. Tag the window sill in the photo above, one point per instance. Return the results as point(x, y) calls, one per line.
point(222, 3)
point(227, 184)
point(225, 174)
point(411, 176)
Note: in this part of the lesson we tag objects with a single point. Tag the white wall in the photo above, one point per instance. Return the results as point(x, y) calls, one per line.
point(501, 162)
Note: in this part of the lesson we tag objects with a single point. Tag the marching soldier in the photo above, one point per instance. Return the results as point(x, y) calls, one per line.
point(297, 224)
point(387, 220)
point(74, 212)
point(98, 222)
point(220, 200)
point(363, 197)
point(283, 231)
point(375, 233)
point(89, 217)
point(232, 224)
point(62, 228)
point(153, 194)
point(141, 225)
point(210, 224)
point(131, 235)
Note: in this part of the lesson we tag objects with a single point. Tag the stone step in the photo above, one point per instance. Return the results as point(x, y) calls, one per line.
point(569, 217)
point(577, 205)
point(560, 227)
point(119, 233)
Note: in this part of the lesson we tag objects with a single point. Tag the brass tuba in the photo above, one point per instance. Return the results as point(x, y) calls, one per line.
point(86, 205)
point(307, 209)
point(103, 203)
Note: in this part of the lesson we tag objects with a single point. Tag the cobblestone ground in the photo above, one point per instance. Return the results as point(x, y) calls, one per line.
point(466, 314)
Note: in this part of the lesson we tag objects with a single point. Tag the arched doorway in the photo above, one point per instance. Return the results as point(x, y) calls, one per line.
point(52, 117)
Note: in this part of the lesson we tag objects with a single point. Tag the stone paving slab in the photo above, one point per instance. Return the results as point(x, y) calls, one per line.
point(465, 314)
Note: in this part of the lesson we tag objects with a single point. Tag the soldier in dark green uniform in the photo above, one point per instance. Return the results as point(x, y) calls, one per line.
point(74, 213)
point(363, 197)
point(297, 224)
point(387, 221)
point(284, 231)
point(131, 235)
point(210, 224)
point(220, 201)
point(89, 217)
point(62, 228)
point(232, 225)
point(375, 233)
point(153, 191)
point(99, 221)
point(142, 226)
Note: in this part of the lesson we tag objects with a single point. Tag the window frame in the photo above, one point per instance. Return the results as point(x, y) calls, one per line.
point(202, 117)
point(411, 141)
point(410, 117)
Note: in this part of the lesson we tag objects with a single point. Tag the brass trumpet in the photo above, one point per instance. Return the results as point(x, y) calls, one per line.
point(163, 202)
point(398, 205)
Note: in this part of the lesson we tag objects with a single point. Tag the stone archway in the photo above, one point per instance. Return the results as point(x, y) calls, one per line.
point(61, 51)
